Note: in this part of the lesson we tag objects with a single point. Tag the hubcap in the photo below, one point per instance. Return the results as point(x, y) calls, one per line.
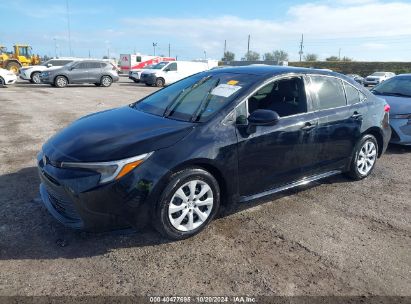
point(190, 205)
point(61, 82)
point(366, 157)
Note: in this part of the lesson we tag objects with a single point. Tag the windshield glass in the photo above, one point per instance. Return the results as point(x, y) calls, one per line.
point(159, 66)
point(400, 86)
point(197, 97)
point(378, 74)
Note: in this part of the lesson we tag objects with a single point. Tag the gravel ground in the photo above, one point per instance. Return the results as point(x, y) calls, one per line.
point(336, 237)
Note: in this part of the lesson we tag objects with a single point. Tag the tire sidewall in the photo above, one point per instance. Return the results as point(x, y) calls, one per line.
point(161, 219)
point(354, 169)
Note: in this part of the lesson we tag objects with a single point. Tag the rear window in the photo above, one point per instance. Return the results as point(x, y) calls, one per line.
point(353, 95)
point(328, 92)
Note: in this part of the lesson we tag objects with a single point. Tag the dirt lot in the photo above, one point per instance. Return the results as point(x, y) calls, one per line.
point(336, 237)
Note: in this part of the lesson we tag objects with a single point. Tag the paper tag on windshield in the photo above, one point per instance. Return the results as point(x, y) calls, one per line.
point(225, 90)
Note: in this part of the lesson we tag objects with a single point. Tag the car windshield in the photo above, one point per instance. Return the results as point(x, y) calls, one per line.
point(159, 66)
point(70, 64)
point(397, 86)
point(198, 97)
point(378, 74)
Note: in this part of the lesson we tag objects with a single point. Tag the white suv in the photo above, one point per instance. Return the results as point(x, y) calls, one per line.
point(32, 73)
point(377, 78)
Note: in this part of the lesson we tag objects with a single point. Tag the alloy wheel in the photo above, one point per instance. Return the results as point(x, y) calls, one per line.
point(191, 205)
point(366, 157)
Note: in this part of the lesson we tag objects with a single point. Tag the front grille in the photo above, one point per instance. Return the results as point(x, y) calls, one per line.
point(63, 205)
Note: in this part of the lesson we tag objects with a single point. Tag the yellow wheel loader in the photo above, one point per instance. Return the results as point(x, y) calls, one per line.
point(21, 56)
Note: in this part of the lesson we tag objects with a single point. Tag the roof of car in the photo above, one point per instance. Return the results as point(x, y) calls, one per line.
point(266, 70)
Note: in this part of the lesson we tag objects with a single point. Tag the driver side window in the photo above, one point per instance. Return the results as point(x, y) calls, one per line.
point(172, 67)
point(285, 96)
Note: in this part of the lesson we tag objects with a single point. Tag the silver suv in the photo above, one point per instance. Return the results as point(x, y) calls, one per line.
point(99, 72)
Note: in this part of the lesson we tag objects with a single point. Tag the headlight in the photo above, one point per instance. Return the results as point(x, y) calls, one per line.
point(111, 170)
point(401, 116)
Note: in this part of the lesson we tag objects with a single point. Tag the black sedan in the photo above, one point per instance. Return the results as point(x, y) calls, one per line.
point(215, 139)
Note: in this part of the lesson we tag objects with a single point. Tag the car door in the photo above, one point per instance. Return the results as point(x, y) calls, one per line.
point(172, 73)
point(276, 155)
point(94, 72)
point(79, 73)
point(338, 123)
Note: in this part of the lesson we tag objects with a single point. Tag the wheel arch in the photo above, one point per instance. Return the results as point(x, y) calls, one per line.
point(31, 74)
point(214, 170)
point(377, 133)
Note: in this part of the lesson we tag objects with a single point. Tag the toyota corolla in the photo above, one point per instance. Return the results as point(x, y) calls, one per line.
point(176, 157)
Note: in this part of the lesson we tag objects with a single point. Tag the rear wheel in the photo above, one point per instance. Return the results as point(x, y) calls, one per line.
point(188, 204)
point(106, 81)
point(60, 82)
point(160, 82)
point(365, 157)
point(35, 77)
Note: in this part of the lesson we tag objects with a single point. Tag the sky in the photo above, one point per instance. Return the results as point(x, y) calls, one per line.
point(365, 30)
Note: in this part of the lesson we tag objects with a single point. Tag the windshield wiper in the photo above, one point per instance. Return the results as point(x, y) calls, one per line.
point(172, 105)
point(203, 104)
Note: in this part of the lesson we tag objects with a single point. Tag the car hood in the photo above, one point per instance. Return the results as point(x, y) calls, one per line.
point(399, 105)
point(150, 71)
point(113, 135)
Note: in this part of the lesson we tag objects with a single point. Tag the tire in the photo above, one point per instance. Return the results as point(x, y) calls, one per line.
point(106, 81)
point(364, 157)
point(159, 82)
point(13, 67)
point(35, 77)
point(2, 83)
point(60, 82)
point(201, 210)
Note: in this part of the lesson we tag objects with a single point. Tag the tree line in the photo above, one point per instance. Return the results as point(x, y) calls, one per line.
point(278, 55)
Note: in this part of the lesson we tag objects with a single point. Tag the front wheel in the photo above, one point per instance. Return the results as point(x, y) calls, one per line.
point(365, 157)
point(60, 82)
point(160, 82)
point(35, 78)
point(188, 204)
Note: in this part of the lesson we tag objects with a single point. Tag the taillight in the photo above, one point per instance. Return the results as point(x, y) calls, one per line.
point(387, 108)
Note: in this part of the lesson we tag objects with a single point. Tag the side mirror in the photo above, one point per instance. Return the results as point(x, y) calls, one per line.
point(167, 70)
point(49, 65)
point(261, 117)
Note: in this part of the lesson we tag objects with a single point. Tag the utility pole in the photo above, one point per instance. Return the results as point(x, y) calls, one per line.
point(154, 47)
point(205, 55)
point(301, 46)
point(89, 54)
point(68, 27)
point(169, 50)
point(248, 45)
point(339, 54)
point(225, 48)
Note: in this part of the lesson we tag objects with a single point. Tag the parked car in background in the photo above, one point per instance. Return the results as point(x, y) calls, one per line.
point(357, 78)
point(99, 72)
point(7, 77)
point(165, 73)
point(397, 92)
point(225, 135)
point(377, 78)
point(32, 73)
point(136, 74)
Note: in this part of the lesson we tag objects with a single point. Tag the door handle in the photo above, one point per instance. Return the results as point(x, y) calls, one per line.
point(356, 115)
point(309, 125)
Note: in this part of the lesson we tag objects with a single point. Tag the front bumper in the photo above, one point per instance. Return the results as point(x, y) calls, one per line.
point(371, 82)
point(76, 199)
point(149, 79)
point(10, 80)
point(401, 131)
point(24, 75)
